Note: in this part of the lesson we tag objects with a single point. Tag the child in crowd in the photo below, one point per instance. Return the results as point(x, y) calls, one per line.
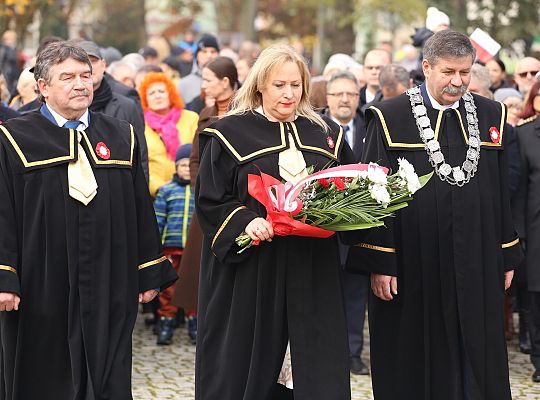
point(174, 206)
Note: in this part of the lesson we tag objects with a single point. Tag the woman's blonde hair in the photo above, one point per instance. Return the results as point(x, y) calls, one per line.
point(249, 96)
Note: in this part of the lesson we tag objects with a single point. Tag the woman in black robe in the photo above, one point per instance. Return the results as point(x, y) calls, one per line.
point(287, 289)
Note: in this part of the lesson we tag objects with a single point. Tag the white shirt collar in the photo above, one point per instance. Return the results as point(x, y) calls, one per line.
point(60, 121)
point(350, 124)
point(435, 104)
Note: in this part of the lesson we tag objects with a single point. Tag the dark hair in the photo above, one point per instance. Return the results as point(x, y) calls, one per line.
point(528, 109)
point(448, 43)
point(47, 40)
point(500, 63)
point(146, 68)
point(172, 62)
point(56, 53)
point(223, 67)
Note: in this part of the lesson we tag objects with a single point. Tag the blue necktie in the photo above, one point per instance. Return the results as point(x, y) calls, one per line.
point(72, 124)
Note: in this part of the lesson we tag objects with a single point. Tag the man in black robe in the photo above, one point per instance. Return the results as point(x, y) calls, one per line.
point(439, 270)
point(79, 245)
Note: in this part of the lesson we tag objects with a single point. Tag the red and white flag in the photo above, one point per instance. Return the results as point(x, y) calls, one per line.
point(486, 46)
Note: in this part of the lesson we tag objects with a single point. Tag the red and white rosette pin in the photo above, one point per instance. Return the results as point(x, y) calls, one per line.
point(103, 151)
point(330, 142)
point(494, 135)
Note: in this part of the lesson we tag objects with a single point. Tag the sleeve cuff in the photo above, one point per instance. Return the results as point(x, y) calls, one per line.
point(375, 259)
point(512, 254)
point(9, 280)
point(223, 244)
point(156, 273)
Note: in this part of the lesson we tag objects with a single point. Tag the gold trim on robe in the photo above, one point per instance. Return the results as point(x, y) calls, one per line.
point(153, 262)
point(225, 223)
point(376, 248)
point(510, 244)
point(8, 268)
point(29, 164)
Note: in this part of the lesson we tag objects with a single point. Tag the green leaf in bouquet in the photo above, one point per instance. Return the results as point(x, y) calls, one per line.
point(352, 227)
point(425, 178)
point(395, 207)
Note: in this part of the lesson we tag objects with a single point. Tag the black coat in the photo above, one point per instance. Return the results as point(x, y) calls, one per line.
point(526, 204)
point(77, 269)
point(7, 113)
point(124, 90)
point(250, 304)
point(449, 250)
point(126, 109)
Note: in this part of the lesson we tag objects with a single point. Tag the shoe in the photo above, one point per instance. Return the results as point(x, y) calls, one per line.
point(166, 330)
point(180, 319)
point(192, 328)
point(525, 348)
point(536, 376)
point(358, 367)
point(524, 337)
point(524, 342)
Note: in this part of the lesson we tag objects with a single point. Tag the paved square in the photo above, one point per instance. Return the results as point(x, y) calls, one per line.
point(167, 372)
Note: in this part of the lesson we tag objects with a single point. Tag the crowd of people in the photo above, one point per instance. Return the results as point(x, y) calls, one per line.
point(185, 124)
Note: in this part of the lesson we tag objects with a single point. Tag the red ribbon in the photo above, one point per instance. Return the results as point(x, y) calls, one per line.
point(260, 188)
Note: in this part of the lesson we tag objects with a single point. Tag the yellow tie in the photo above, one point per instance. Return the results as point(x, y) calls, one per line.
point(81, 180)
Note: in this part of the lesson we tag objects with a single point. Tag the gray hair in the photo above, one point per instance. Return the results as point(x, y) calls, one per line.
point(342, 75)
point(448, 43)
point(119, 65)
point(481, 75)
point(392, 74)
point(56, 53)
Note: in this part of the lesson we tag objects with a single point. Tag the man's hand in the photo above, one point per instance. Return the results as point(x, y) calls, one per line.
point(9, 301)
point(384, 286)
point(508, 276)
point(147, 296)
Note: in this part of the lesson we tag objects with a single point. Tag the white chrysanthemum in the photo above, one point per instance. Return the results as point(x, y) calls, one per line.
point(380, 194)
point(376, 174)
point(405, 167)
point(413, 183)
point(406, 171)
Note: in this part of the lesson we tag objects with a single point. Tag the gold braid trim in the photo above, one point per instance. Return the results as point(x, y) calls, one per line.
point(510, 244)
point(153, 262)
point(8, 268)
point(377, 248)
point(226, 222)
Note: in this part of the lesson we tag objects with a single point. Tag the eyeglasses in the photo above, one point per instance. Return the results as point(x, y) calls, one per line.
point(341, 94)
point(524, 74)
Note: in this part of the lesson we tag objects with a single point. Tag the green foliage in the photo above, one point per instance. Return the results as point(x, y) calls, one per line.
point(113, 29)
point(506, 21)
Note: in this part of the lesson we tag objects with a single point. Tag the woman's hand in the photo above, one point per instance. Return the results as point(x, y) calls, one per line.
point(260, 229)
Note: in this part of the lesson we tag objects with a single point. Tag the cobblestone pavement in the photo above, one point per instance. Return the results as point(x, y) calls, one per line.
point(167, 372)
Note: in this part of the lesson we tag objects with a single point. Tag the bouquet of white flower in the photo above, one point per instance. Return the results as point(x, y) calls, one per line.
point(348, 197)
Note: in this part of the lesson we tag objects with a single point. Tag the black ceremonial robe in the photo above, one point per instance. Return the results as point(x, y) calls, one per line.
point(78, 269)
point(250, 304)
point(442, 335)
